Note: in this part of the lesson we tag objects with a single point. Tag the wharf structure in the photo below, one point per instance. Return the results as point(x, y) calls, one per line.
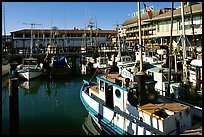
point(156, 31)
point(63, 38)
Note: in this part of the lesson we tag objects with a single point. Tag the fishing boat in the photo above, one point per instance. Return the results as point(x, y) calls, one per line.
point(5, 67)
point(113, 103)
point(30, 67)
point(60, 66)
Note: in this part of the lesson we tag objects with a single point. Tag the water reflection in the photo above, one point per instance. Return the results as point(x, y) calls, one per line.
point(30, 87)
point(54, 106)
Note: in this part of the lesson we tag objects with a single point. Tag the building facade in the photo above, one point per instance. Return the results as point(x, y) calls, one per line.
point(156, 31)
point(63, 38)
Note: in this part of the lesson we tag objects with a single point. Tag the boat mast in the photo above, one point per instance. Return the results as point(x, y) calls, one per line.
point(96, 36)
point(31, 41)
point(85, 40)
point(4, 25)
point(170, 51)
point(141, 75)
point(65, 28)
point(4, 39)
point(184, 46)
point(118, 42)
point(191, 16)
point(51, 26)
point(140, 40)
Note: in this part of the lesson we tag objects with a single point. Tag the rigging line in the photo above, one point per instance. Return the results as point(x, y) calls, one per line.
point(93, 76)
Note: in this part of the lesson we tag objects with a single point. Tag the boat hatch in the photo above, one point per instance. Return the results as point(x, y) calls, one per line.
point(161, 113)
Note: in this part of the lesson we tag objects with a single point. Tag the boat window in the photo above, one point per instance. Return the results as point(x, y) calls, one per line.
point(117, 93)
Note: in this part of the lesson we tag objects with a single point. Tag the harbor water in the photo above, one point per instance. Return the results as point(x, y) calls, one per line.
point(47, 107)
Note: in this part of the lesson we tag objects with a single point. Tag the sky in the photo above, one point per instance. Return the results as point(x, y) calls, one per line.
point(70, 14)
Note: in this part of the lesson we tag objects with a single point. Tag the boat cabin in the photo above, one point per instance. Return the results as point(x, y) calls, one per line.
point(161, 78)
point(101, 62)
point(29, 61)
point(195, 72)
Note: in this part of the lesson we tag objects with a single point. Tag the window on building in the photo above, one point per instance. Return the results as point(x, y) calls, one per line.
point(18, 35)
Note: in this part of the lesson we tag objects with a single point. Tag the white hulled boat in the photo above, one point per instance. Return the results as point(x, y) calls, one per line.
point(30, 68)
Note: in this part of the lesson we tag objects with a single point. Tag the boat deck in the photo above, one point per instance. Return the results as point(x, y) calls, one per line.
point(112, 78)
point(95, 89)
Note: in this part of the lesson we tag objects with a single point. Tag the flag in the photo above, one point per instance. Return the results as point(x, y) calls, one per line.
point(139, 46)
point(149, 11)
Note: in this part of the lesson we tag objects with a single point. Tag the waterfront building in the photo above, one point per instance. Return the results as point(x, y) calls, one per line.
point(156, 31)
point(148, 29)
point(63, 38)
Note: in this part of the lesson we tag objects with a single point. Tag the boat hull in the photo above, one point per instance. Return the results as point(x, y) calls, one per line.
point(5, 69)
point(29, 73)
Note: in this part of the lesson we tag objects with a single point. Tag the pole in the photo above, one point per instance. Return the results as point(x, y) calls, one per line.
point(140, 40)
point(4, 40)
point(4, 25)
point(170, 50)
point(13, 106)
point(119, 48)
point(191, 16)
point(184, 46)
point(141, 75)
point(31, 41)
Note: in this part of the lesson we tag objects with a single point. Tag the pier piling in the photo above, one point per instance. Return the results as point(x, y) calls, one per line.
point(13, 106)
